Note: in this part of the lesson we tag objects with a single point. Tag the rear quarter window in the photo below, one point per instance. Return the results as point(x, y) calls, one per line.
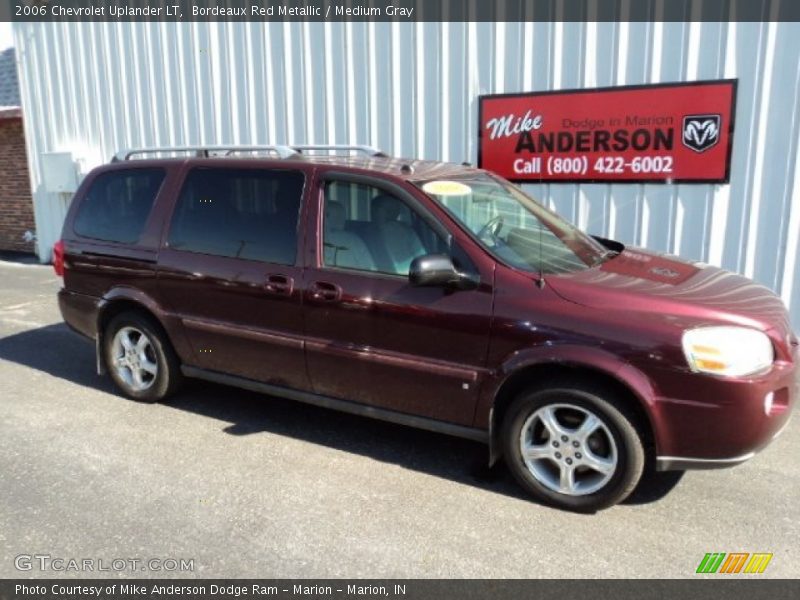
point(116, 207)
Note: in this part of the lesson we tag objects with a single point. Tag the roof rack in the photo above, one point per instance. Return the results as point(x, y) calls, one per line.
point(283, 151)
point(204, 151)
point(370, 150)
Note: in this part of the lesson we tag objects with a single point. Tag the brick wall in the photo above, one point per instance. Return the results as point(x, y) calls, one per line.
point(16, 206)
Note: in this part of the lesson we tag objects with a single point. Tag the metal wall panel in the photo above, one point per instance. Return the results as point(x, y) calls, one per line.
point(411, 88)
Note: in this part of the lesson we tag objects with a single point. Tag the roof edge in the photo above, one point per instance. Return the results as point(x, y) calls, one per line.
point(10, 112)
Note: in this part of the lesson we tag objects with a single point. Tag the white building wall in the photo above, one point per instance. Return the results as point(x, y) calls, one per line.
point(411, 89)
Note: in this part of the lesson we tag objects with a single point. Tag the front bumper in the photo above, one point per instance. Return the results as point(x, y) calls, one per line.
point(706, 422)
point(683, 463)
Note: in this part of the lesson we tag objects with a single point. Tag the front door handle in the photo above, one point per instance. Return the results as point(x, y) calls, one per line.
point(280, 285)
point(322, 291)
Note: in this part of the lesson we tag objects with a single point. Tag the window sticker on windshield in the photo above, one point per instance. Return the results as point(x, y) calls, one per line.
point(446, 188)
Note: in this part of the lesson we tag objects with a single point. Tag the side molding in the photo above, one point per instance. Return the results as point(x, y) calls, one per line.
point(347, 406)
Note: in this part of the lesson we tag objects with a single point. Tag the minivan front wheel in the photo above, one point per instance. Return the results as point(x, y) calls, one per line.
point(571, 447)
point(140, 358)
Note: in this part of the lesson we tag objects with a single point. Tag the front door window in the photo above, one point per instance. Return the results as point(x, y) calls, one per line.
point(368, 229)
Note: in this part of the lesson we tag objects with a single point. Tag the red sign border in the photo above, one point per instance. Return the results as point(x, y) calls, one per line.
point(734, 82)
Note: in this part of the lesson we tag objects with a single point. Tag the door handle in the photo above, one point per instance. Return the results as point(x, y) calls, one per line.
point(280, 285)
point(322, 291)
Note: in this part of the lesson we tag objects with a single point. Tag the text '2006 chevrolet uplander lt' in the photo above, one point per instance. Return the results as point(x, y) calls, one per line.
point(429, 294)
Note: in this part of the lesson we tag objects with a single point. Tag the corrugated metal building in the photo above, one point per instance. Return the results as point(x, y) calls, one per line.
point(411, 89)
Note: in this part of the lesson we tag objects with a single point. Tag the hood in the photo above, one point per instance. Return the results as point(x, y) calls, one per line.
point(643, 281)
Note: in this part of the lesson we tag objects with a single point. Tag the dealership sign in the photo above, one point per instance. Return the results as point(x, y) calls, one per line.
point(677, 132)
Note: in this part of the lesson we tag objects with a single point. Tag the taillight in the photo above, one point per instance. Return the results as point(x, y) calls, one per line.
point(58, 258)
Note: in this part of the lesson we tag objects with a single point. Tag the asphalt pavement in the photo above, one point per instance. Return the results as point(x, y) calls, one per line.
point(245, 485)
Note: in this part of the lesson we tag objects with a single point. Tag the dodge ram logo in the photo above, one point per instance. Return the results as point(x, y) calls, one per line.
point(701, 132)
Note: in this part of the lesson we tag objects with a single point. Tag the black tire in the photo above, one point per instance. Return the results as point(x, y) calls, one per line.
point(168, 377)
point(619, 421)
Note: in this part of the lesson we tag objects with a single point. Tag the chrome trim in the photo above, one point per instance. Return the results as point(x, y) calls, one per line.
point(783, 427)
point(370, 150)
point(673, 463)
point(283, 151)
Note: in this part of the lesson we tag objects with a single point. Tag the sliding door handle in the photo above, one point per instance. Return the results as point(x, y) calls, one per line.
point(280, 285)
point(322, 291)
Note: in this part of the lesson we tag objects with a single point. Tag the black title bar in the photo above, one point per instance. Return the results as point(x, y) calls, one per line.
point(714, 588)
point(400, 10)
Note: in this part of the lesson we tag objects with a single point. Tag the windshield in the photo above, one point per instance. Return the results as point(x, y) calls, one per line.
point(513, 227)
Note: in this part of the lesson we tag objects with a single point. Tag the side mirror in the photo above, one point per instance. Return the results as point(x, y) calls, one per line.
point(437, 270)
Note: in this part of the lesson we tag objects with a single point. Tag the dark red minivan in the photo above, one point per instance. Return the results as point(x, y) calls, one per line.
point(429, 294)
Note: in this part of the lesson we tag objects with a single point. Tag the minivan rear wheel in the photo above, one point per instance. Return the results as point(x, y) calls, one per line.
point(570, 446)
point(140, 358)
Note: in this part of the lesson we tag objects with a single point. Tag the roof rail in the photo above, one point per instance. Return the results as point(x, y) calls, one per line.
point(370, 150)
point(204, 151)
point(283, 151)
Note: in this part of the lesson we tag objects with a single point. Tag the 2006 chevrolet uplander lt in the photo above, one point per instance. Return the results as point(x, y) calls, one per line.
point(429, 294)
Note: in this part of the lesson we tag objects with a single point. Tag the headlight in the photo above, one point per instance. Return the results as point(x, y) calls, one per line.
point(728, 351)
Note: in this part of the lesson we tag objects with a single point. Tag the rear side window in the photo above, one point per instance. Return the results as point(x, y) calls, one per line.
point(116, 207)
point(241, 213)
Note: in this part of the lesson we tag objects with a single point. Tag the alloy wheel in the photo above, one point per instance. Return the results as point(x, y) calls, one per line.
point(134, 359)
point(568, 449)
